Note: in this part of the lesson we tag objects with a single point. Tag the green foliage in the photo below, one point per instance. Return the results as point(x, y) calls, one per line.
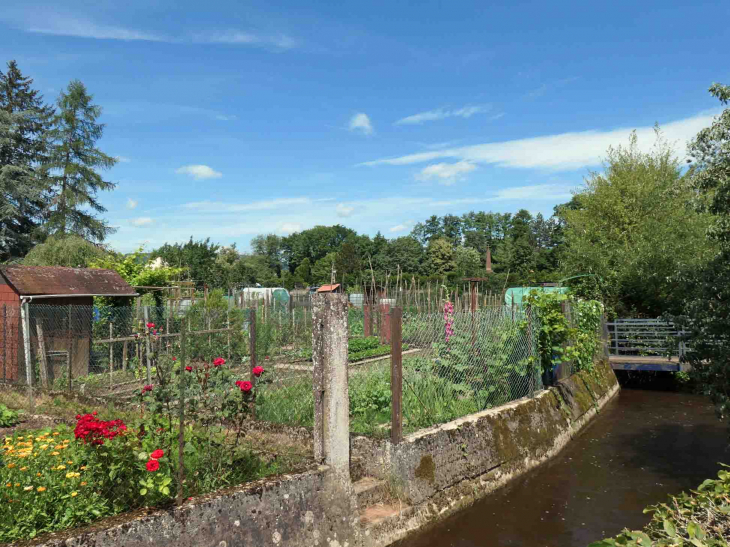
point(70, 250)
point(634, 227)
point(561, 341)
point(707, 290)
point(136, 269)
point(72, 164)
point(8, 417)
point(197, 258)
point(24, 122)
point(700, 519)
point(440, 253)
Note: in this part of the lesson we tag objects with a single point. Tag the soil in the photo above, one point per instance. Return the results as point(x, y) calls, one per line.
point(29, 422)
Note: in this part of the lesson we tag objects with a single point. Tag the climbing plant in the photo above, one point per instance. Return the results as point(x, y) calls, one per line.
point(562, 339)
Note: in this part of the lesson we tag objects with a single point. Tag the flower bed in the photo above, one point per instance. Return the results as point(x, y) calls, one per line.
point(54, 479)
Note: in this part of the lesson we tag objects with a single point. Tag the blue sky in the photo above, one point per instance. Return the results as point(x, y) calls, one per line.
point(234, 118)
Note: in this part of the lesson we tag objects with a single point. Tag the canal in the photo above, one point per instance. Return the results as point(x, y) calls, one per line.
point(644, 446)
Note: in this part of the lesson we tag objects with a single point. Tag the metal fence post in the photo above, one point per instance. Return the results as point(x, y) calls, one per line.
point(330, 374)
point(181, 432)
point(147, 344)
point(25, 318)
point(252, 343)
point(396, 375)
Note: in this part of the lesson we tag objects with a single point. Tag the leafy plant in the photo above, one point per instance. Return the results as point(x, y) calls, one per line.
point(8, 417)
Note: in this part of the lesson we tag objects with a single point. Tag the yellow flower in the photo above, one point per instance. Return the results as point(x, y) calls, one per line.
point(9, 485)
point(41, 488)
point(17, 484)
point(70, 475)
point(70, 462)
point(83, 483)
point(24, 468)
point(59, 447)
point(11, 465)
point(44, 446)
point(83, 468)
point(77, 474)
point(55, 434)
point(37, 474)
point(55, 453)
point(61, 467)
point(20, 438)
point(74, 494)
point(28, 488)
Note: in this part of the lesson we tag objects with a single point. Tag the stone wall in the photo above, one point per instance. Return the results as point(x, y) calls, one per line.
point(307, 509)
point(445, 468)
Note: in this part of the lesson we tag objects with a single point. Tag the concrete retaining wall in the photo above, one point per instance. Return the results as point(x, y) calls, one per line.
point(446, 468)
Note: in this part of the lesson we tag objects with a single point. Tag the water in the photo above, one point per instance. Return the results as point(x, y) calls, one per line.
point(644, 446)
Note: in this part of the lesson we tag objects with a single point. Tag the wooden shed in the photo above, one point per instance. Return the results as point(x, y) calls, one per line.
point(60, 307)
point(336, 288)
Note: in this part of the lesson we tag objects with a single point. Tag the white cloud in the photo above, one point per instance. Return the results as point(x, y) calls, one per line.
point(61, 25)
point(132, 203)
point(565, 151)
point(141, 221)
point(199, 172)
point(446, 173)
point(361, 122)
point(224, 207)
point(122, 159)
point(442, 113)
point(554, 192)
point(280, 41)
point(407, 225)
point(290, 228)
point(225, 118)
point(343, 210)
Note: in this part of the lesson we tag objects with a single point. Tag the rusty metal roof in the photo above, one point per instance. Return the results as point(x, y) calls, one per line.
point(51, 280)
point(328, 288)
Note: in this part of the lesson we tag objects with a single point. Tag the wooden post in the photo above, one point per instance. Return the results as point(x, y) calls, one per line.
point(228, 325)
point(396, 375)
point(252, 341)
point(148, 350)
point(181, 431)
point(367, 320)
point(111, 355)
point(42, 354)
point(124, 356)
point(70, 356)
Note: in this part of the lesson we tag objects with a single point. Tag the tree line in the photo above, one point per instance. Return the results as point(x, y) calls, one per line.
point(49, 166)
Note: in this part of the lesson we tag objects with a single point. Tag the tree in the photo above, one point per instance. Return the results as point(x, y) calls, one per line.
point(70, 251)
point(707, 305)
point(440, 254)
point(322, 269)
point(633, 227)
point(467, 262)
point(197, 258)
point(272, 247)
point(72, 164)
point(24, 122)
point(303, 273)
point(404, 252)
point(314, 244)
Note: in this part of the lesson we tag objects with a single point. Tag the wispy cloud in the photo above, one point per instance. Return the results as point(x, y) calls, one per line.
point(550, 86)
point(281, 41)
point(289, 228)
point(361, 122)
point(407, 225)
point(564, 151)
point(132, 203)
point(141, 221)
point(122, 159)
point(225, 207)
point(64, 24)
point(446, 173)
point(224, 118)
point(199, 172)
point(442, 113)
point(344, 211)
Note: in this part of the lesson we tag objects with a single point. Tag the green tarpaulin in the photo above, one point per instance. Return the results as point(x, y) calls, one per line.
point(516, 294)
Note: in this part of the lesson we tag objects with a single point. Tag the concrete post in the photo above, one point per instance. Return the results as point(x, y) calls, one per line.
point(331, 396)
point(25, 318)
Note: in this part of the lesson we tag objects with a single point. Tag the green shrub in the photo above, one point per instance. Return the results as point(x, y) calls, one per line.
point(700, 519)
point(8, 417)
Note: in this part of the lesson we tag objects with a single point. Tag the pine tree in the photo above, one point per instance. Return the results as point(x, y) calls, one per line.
point(24, 122)
point(72, 165)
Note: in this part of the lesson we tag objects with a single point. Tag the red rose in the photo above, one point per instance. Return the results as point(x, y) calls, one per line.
point(150, 325)
point(219, 361)
point(94, 413)
point(78, 416)
point(189, 368)
point(258, 371)
point(174, 358)
point(153, 465)
point(157, 454)
point(246, 386)
point(239, 382)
